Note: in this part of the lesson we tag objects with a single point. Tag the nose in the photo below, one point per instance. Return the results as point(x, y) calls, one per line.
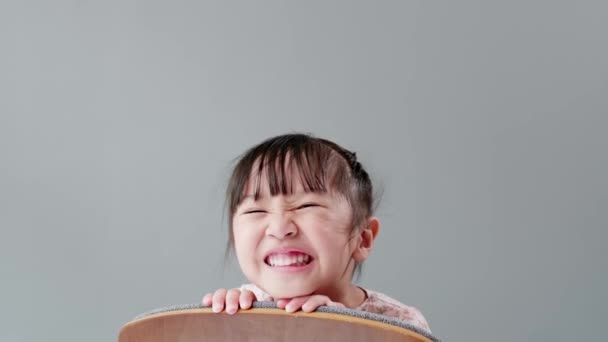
point(281, 226)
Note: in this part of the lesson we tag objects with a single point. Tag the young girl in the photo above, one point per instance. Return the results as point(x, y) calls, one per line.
point(301, 224)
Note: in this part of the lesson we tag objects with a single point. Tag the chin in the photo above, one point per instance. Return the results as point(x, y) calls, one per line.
point(278, 292)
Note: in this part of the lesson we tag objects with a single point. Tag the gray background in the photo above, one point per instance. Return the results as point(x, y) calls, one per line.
point(484, 122)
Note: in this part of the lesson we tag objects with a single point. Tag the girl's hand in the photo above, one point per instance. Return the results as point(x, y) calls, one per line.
point(232, 299)
point(306, 303)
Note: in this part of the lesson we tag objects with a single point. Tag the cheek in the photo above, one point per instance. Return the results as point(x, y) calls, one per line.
point(314, 218)
point(328, 236)
point(244, 250)
point(241, 236)
point(322, 223)
point(246, 235)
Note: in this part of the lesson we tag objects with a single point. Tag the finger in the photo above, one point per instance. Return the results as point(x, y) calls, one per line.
point(314, 302)
point(207, 299)
point(281, 303)
point(218, 301)
point(296, 303)
point(232, 301)
point(246, 299)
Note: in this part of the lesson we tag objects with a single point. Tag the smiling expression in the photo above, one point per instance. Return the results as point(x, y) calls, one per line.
point(294, 244)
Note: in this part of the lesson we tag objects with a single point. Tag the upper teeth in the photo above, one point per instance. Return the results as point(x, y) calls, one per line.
point(288, 260)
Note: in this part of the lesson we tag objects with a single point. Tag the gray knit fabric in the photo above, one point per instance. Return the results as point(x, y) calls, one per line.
point(328, 309)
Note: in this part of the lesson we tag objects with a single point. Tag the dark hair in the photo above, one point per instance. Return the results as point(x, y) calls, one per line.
point(322, 165)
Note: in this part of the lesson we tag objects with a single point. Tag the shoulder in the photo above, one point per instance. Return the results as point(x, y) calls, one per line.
point(382, 304)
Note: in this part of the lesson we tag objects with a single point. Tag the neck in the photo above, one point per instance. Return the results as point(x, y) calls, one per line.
point(344, 291)
point(350, 296)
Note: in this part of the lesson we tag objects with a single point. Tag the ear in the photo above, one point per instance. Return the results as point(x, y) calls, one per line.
point(365, 239)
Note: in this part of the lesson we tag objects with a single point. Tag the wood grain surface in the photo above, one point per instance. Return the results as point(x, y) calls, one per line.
point(261, 325)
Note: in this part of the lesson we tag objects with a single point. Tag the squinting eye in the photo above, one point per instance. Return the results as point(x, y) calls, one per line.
point(308, 205)
point(255, 211)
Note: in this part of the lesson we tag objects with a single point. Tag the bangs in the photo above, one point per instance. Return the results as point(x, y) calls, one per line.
point(284, 162)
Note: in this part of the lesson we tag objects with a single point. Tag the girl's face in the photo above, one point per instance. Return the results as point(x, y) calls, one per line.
point(294, 245)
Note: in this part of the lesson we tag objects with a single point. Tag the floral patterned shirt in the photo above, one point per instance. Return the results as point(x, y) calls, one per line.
point(375, 302)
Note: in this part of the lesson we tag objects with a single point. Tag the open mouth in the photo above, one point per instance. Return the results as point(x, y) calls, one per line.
point(289, 259)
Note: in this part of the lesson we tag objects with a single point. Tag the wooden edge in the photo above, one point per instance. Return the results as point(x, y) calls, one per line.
point(278, 312)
